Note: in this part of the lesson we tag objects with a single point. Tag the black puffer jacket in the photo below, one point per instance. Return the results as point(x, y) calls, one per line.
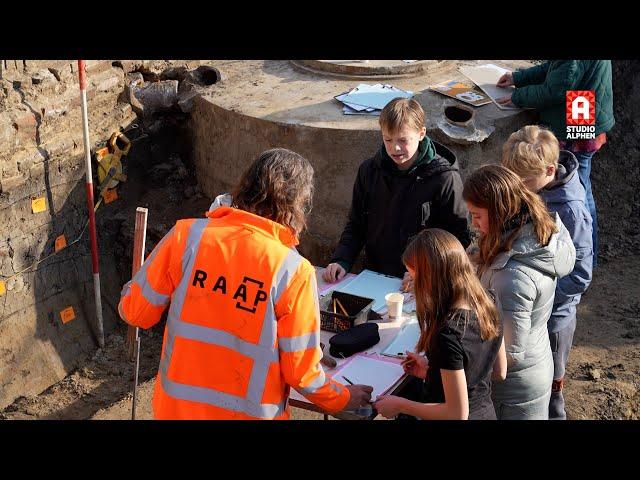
point(390, 206)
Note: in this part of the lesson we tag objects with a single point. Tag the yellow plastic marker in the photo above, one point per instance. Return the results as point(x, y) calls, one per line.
point(3, 289)
point(110, 195)
point(61, 242)
point(67, 315)
point(38, 205)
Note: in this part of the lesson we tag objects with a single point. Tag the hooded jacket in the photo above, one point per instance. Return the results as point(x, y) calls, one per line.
point(545, 86)
point(566, 197)
point(389, 206)
point(523, 281)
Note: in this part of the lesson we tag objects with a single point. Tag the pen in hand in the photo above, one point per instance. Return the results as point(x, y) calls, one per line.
point(408, 361)
point(348, 381)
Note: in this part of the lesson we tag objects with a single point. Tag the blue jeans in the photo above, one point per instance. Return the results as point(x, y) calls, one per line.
point(584, 172)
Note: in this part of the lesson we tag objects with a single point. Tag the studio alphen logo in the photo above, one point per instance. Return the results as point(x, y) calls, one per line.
point(581, 114)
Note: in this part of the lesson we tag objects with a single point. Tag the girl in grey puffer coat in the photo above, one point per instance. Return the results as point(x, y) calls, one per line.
point(523, 251)
point(524, 282)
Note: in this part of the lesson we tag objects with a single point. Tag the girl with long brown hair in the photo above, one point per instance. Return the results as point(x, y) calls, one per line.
point(522, 252)
point(460, 333)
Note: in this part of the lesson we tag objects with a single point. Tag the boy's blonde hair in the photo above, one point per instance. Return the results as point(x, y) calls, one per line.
point(400, 112)
point(530, 150)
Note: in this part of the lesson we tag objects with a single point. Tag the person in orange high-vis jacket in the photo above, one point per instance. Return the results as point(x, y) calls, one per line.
point(243, 325)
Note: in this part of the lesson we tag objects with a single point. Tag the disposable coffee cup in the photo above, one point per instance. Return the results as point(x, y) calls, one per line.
point(394, 304)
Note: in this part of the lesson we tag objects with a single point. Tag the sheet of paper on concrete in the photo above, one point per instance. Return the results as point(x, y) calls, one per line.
point(369, 99)
point(324, 287)
point(353, 109)
point(378, 372)
point(375, 96)
point(352, 106)
point(485, 77)
point(405, 339)
point(370, 284)
point(461, 91)
point(372, 113)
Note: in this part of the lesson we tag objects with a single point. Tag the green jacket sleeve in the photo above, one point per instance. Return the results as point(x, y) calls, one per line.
point(560, 78)
point(530, 76)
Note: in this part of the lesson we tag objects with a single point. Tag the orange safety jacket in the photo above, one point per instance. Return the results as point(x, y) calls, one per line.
point(243, 323)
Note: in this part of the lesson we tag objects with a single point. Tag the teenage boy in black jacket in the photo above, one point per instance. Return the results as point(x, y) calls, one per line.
point(412, 183)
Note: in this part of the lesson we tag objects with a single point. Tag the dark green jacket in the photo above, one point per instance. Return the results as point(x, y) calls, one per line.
point(544, 88)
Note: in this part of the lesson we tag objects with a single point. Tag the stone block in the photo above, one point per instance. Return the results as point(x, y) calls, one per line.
point(108, 83)
point(128, 65)
point(7, 132)
point(62, 69)
point(43, 76)
point(9, 166)
point(26, 124)
point(94, 67)
point(25, 159)
point(36, 172)
point(11, 183)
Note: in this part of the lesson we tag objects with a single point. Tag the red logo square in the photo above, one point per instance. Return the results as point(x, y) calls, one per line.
point(581, 107)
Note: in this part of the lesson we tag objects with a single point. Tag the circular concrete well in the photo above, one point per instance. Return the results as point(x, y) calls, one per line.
point(266, 104)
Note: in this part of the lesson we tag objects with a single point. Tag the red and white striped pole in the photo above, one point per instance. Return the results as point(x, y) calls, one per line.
point(90, 202)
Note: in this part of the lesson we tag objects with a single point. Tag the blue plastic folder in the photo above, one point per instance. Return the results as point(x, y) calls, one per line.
point(374, 96)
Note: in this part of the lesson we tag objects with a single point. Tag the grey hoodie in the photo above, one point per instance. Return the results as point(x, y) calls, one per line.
point(523, 281)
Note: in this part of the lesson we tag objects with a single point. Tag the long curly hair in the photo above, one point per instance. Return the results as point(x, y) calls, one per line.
point(444, 278)
point(510, 207)
point(278, 186)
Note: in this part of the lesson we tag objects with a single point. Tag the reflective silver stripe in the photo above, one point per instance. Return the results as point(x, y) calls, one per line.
point(219, 399)
point(175, 310)
point(336, 388)
point(314, 288)
point(317, 383)
point(218, 337)
point(268, 336)
point(150, 295)
point(143, 269)
point(125, 289)
point(120, 312)
point(140, 278)
point(302, 342)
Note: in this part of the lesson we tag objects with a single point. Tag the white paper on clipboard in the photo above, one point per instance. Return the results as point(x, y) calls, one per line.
point(378, 372)
point(405, 340)
point(370, 284)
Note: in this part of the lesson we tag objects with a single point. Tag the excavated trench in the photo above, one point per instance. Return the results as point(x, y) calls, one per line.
point(199, 128)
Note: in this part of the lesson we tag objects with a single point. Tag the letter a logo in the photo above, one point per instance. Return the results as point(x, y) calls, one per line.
point(581, 107)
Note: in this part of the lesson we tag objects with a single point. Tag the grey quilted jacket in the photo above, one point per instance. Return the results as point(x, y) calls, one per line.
point(523, 281)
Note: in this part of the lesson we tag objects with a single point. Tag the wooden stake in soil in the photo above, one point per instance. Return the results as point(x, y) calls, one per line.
point(139, 237)
point(133, 339)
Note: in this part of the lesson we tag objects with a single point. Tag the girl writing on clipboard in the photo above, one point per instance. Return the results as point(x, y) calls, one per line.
point(460, 333)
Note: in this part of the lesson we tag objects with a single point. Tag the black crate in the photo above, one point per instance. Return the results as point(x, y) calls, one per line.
point(357, 307)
